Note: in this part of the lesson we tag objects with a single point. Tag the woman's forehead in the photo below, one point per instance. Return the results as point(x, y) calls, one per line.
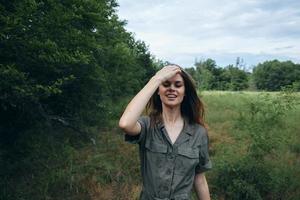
point(176, 78)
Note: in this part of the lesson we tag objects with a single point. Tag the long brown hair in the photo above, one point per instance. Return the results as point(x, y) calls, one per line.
point(192, 108)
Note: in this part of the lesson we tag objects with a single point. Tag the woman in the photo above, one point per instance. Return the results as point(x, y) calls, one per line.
point(173, 143)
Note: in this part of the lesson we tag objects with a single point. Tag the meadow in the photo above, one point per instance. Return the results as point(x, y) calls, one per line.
point(254, 147)
point(255, 140)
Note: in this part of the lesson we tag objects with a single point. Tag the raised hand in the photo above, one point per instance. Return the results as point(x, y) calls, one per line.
point(128, 121)
point(167, 72)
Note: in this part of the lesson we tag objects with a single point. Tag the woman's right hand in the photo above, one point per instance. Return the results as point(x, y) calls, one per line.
point(167, 72)
point(128, 121)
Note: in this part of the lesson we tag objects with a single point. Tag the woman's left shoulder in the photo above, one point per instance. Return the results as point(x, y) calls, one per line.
point(199, 129)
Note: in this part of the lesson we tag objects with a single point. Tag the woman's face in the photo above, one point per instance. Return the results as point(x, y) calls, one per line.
point(172, 91)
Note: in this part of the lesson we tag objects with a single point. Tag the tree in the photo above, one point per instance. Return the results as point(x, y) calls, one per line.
point(234, 78)
point(273, 75)
point(210, 77)
point(207, 74)
point(65, 61)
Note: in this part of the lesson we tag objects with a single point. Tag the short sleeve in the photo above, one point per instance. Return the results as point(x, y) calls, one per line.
point(204, 160)
point(144, 121)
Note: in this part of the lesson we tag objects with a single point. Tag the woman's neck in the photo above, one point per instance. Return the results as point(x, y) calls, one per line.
point(171, 115)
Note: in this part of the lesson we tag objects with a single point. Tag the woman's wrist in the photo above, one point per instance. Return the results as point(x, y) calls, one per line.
point(156, 80)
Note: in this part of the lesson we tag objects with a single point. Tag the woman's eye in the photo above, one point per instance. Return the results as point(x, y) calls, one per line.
point(178, 85)
point(166, 84)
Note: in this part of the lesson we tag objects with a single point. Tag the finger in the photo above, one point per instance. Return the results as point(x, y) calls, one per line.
point(174, 69)
point(178, 70)
point(171, 66)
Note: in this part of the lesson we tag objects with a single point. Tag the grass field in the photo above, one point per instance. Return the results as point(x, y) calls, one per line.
point(254, 146)
point(254, 134)
point(255, 149)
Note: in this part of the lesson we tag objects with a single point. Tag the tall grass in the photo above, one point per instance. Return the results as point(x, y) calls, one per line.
point(254, 145)
point(253, 156)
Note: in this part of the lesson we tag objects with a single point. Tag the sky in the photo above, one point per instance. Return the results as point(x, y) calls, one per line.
point(185, 31)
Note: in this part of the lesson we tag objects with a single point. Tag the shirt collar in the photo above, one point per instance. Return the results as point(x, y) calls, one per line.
point(187, 127)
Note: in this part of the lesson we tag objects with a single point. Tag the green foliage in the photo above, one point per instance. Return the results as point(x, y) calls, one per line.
point(58, 163)
point(260, 171)
point(207, 74)
point(261, 113)
point(38, 165)
point(49, 165)
point(243, 179)
point(210, 77)
point(62, 64)
point(235, 79)
point(66, 61)
point(249, 178)
point(272, 75)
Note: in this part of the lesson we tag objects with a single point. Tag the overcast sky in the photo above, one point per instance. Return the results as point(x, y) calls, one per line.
point(180, 31)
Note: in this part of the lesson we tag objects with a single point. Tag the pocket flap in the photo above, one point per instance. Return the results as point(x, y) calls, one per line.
point(156, 147)
point(188, 152)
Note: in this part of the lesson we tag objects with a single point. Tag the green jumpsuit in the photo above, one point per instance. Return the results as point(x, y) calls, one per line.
point(168, 169)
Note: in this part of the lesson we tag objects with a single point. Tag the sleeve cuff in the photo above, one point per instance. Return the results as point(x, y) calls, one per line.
point(137, 139)
point(133, 139)
point(203, 168)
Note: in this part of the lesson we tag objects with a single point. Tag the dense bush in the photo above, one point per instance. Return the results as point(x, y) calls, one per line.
point(246, 178)
point(252, 174)
point(65, 62)
point(64, 68)
point(264, 115)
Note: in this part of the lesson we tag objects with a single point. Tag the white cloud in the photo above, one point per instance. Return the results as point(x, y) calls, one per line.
point(182, 30)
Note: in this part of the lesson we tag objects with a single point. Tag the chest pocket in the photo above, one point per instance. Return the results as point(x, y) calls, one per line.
point(156, 153)
point(186, 160)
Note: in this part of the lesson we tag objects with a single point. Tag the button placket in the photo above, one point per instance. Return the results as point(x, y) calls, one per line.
point(170, 171)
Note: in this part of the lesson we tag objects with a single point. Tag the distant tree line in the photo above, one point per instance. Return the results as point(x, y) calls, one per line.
point(269, 76)
point(273, 75)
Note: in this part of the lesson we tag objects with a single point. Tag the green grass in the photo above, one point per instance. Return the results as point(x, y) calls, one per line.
point(254, 155)
point(230, 141)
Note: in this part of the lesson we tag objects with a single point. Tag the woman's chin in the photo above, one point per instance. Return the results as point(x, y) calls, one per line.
point(171, 104)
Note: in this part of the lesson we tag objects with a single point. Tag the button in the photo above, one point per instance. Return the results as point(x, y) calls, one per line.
point(171, 156)
point(166, 188)
point(169, 171)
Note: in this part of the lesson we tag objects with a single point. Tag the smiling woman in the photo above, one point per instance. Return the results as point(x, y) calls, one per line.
point(172, 140)
point(171, 91)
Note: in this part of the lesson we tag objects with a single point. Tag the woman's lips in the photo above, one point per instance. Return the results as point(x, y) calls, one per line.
point(171, 96)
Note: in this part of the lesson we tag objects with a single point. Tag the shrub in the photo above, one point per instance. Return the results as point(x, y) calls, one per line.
point(260, 173)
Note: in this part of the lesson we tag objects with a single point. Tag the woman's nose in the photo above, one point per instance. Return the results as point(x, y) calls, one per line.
point(172, 87)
